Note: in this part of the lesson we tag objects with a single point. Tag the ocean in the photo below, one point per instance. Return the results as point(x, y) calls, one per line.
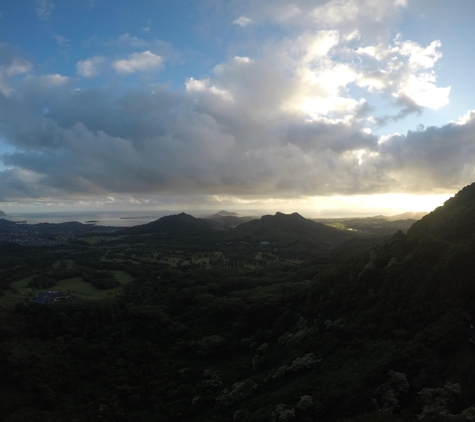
point(102, 218)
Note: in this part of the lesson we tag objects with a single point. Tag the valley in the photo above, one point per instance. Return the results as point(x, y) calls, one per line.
point(280, 318)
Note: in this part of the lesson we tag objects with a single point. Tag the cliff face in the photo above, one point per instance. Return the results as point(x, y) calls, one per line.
point(2, 214)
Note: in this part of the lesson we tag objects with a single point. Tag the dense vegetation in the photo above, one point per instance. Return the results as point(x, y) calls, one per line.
point(361, 331)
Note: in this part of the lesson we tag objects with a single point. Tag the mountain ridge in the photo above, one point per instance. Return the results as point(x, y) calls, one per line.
point(286, 229)
point(179, 223)
point(290, 228)
point(452, 221)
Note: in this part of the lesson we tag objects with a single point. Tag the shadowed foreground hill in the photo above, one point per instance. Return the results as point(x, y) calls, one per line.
point(452, 222)
point(290, 229)
point(442, 251)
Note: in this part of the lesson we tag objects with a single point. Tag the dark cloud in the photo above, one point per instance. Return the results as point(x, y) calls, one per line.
point(407, 107)
point(436, 158)
point(319, 136)
point(93, 143)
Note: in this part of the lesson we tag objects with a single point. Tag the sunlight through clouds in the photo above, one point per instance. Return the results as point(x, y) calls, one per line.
point(257, 102)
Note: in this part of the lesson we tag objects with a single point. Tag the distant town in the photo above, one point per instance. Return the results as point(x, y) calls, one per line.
point(47, 234)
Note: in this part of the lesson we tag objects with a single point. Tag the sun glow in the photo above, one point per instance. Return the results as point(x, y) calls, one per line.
point(369, 205)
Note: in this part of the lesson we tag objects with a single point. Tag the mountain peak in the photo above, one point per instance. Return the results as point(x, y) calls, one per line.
point(290, 229)
point(175, 225)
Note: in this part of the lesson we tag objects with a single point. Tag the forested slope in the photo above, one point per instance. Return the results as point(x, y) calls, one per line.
point(375, 334)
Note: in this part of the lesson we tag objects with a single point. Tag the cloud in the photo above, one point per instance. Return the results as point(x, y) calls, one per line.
point(61, 40)
point(369, 16)
point(119, 149)
point(204, 85)
point(421, 57)
point(158, 51)
point(339, 12)
point(433, 159)
point(138, 62)
point(11, 66)
point(242, 21)
point(403, 70)
point(126, 40)
point(148, 27)
point(91, 67)
point(278, 118)
point(48, 82)
point(127, 43)
point(421, 90)
point(44, 8)
point(200, 143)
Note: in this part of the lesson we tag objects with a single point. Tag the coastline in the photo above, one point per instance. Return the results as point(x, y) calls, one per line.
point(100, 218)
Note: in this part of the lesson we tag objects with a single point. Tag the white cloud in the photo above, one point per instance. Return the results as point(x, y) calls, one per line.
point(421, 57)
point(242, 21)
point(354, 19)
point(205, 86)
point(52, 81)
point(354, 35)
point(470, 115)
point(17, 66)
point(244, 60)
point(138, 62)
point(379, 52)
point(338, 12)
point(312, 46)
point(197, 85)
point(403, 70)
point(422, 90)
point(90, 67)
point(8, 71)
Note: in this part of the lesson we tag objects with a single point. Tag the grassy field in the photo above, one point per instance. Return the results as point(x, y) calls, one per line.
point(22, 293)
point(339, 226)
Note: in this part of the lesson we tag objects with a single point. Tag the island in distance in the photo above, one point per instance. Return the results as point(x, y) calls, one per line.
point(2, 214)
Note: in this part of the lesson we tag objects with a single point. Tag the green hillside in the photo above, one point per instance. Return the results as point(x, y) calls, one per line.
point(363, 332)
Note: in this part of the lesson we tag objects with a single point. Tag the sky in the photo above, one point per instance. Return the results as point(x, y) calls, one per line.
point(325, 107)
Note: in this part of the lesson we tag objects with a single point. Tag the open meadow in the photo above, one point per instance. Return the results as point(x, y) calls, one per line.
point(22, 292)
